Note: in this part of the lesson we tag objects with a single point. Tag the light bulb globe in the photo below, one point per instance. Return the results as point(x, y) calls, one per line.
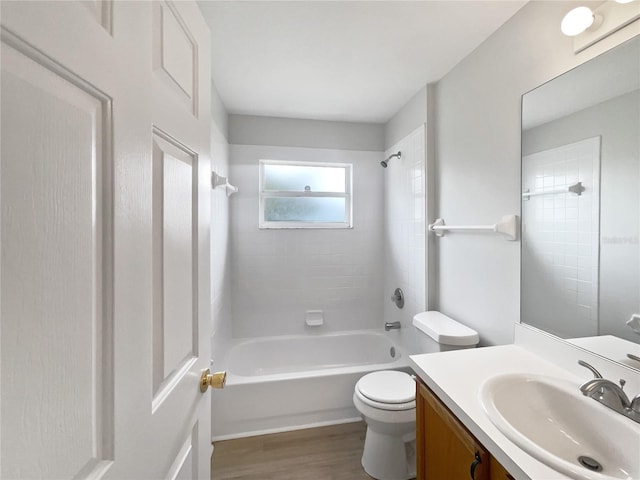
point(577, 21)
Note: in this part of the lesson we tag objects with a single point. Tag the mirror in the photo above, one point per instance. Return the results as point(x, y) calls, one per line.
point(581, 205)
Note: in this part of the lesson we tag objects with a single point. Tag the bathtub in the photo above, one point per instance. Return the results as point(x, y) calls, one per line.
point(282, 383)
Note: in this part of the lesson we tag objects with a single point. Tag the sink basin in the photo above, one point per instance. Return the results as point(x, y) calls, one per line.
point(553, 422)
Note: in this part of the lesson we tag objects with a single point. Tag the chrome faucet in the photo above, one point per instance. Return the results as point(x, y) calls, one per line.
point(392, 326)
point(610, 394)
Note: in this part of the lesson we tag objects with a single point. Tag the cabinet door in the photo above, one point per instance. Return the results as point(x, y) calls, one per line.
point(498, 472)
point(445, 448)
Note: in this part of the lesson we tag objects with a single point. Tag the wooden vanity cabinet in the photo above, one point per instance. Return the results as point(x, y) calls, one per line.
point(497, 471)
point(445, 448)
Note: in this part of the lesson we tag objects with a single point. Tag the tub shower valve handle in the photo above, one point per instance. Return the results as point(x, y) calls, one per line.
point(213, 380)
point(398, 297)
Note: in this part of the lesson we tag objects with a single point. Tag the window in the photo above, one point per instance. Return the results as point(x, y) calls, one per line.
point(305, 195)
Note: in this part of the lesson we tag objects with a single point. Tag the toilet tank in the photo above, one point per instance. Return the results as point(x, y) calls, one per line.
point(435, 332)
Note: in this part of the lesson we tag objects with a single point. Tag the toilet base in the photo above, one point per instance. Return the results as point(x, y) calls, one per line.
point(389, 445)
point(398, 461)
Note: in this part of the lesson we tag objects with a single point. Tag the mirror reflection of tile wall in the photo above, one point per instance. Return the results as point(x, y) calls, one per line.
point(560, 248)
point(616, 122)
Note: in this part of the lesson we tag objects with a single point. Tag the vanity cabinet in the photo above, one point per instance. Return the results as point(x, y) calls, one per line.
point(445, 448)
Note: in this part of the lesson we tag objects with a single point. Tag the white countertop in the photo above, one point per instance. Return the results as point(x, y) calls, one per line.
point(456, 377)
point(611, 347)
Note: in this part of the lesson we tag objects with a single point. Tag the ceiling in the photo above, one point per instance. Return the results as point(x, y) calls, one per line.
point(357, 61)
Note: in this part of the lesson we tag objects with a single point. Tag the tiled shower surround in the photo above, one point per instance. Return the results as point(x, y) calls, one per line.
point(279, 274)
point(404, 232)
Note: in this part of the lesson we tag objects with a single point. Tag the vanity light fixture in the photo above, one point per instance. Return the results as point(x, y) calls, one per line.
point(588, 27)
point(577, 21)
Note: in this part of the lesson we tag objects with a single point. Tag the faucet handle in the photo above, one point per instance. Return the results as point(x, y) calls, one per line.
point(596, 373)
point(631, 356)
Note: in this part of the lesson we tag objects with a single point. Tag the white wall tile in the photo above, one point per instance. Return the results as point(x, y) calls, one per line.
point(279, 274)
point(405, 228)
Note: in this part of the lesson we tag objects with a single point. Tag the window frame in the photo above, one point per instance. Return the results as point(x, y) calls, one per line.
point(347, 195)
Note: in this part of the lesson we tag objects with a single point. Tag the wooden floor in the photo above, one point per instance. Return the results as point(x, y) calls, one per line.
point(325, 453)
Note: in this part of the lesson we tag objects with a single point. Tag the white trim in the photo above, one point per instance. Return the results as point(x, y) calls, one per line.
point(268, 431)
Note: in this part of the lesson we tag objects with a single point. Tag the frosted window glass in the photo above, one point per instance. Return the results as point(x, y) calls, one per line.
point(296, 178)
point(298, 209)
point(305, 195)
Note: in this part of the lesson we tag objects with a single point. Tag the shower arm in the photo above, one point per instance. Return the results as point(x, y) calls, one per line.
point(397, 155)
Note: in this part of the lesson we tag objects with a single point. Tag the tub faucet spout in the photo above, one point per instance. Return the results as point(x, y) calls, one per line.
point(391, 326)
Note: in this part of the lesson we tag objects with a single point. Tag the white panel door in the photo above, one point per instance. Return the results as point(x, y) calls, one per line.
point(104, 301)
point(180, 91)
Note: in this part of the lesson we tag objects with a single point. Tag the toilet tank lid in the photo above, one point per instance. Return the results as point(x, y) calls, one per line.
point(445, 330)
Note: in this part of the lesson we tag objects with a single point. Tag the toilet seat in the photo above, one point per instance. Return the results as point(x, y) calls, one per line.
point(387, 390)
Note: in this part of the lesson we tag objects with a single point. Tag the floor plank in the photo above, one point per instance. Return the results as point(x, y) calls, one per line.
point(325, 453)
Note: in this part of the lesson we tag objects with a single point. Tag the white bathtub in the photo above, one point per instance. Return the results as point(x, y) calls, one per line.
point(284, 383)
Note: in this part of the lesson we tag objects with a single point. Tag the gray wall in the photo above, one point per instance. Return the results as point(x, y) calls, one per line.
point(292, 132)
point(478, 160)
point(407, 119)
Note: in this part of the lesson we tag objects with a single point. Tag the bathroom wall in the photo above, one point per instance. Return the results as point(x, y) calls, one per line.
point(295, 132)
point(278, 274)
point(407, 119)
point(617, 122)
point(478, 160)
point(405, 233)
point(220, 279)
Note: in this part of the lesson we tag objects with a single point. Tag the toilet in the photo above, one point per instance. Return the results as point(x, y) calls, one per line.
point(387, 400)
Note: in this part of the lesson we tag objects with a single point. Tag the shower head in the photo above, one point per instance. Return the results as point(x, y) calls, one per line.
point(385, 163)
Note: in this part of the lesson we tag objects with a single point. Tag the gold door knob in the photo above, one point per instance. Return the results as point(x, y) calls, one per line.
point(213, 380)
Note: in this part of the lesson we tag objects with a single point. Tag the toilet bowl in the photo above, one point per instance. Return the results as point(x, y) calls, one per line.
point(387, 401)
